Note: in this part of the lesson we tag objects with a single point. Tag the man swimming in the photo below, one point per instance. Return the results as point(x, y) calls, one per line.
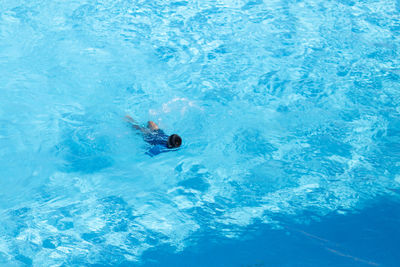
point(156, 137)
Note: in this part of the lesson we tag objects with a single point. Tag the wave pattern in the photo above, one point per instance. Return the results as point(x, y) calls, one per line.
point(287, 109)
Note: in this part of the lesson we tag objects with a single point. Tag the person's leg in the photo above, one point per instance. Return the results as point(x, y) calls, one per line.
point(134, 124)
point(129, 119)
point(152, 126)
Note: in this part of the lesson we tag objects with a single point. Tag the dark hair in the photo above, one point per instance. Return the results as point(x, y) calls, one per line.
point(174, 140)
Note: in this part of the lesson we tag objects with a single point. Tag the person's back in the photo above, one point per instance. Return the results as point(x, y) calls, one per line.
point(156, 137)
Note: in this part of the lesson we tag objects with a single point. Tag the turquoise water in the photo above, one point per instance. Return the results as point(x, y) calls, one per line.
point(289, 113)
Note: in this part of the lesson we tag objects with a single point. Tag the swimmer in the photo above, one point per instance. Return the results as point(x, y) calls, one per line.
point(156, 137)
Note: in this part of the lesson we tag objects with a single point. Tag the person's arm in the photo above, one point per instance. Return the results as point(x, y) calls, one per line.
point(134, 124)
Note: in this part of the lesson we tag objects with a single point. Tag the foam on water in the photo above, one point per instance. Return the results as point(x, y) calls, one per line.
point(287, 108)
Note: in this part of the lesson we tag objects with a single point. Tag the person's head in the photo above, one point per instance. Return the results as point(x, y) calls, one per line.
point(174, 141)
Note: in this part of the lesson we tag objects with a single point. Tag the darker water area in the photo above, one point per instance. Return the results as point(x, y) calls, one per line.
point(370, 237)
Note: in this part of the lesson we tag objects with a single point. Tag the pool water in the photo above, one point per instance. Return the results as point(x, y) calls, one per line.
point(289, 113)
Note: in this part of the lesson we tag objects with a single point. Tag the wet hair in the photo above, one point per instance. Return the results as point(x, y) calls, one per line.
point(174, 141)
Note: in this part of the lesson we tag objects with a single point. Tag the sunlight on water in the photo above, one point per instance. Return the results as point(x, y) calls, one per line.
point(286, 108)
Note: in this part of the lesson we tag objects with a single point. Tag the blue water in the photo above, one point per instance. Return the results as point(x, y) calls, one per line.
point(289, 113)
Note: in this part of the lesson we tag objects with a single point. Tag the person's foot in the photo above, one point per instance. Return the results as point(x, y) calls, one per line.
point(129, 119)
